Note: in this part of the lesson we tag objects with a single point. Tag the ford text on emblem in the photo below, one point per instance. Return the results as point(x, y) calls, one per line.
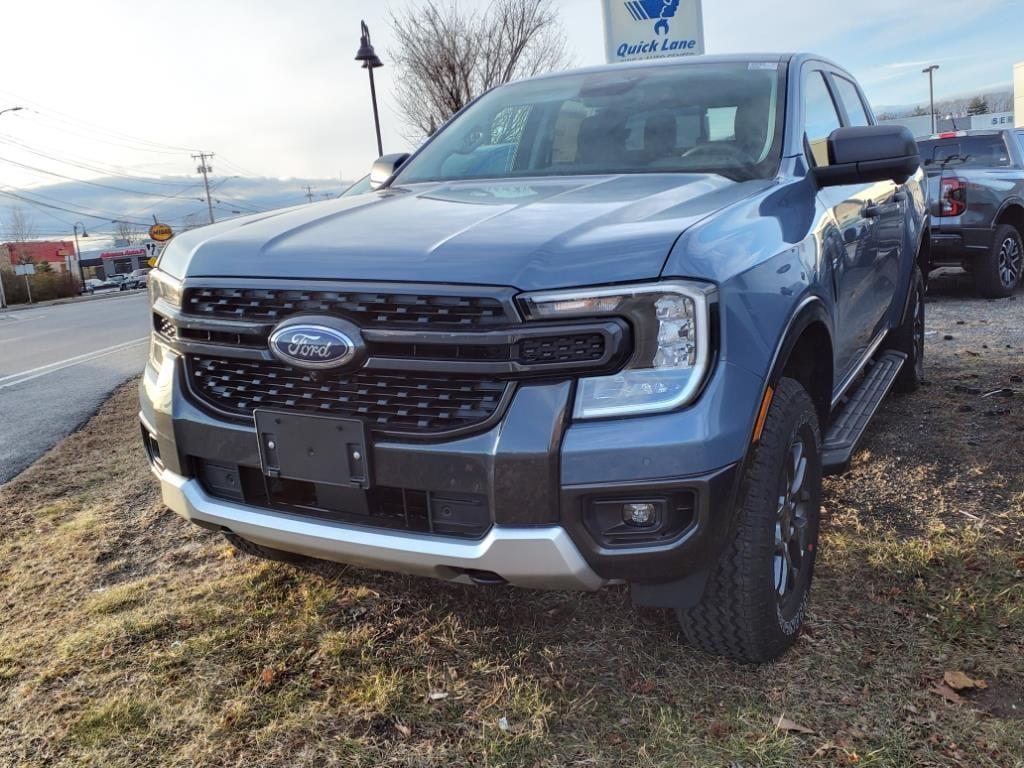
point(315, 347)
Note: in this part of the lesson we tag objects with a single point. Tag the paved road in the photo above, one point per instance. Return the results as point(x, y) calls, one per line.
point(58, 364)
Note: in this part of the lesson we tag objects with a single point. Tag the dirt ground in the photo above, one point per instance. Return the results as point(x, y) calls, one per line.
point(128, 638)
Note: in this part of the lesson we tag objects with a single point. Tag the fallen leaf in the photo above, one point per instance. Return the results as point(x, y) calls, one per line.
point(947, 693)
point(267, 675)
point(438, 696)
point(959, 681)
point(787, 725)
point(404, 730)
point(503, 724)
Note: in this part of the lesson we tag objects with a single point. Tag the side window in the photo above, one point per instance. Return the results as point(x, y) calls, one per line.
point(850, 97)
point(1020, 140)
point(820, 116)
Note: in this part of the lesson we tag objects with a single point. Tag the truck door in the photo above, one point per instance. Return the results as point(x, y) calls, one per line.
point(887, 205)
point(853, 265)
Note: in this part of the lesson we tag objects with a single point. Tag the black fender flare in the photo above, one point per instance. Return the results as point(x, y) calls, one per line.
point(810, 310)
point(1008, 203)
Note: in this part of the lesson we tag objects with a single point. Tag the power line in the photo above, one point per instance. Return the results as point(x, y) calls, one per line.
point(94, 167)
point(36, 108)
point(42, 205)
point(90, 183)
point(240, 168)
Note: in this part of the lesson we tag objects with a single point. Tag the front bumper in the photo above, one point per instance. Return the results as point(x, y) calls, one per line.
point(538, 472)
point(543, 557)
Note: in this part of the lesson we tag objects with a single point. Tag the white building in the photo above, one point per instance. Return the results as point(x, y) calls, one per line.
point(1018, 93)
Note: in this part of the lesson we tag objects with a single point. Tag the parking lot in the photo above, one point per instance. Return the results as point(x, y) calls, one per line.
point(197, 656)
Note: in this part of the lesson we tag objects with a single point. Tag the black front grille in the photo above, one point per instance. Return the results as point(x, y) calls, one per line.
point(444, 514)
point(367, 308)
point(423, 404)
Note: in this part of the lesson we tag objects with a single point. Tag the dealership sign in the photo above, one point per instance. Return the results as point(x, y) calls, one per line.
point(652, 29)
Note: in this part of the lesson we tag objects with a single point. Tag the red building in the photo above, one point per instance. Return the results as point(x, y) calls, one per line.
point(57, 253)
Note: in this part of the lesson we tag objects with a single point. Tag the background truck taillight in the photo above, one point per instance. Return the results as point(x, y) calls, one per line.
point(953, 197)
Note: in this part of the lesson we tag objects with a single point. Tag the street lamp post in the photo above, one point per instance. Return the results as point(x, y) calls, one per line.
point(930, 71)
point(371, 61)
point(78, 253)
point(3, 296)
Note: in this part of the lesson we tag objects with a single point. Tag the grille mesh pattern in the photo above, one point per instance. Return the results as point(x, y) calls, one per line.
point(394, 402)
point(562, 349)
point(368, 309)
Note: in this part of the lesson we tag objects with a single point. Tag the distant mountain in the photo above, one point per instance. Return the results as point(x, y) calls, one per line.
point(175, 200)
point(997, 100)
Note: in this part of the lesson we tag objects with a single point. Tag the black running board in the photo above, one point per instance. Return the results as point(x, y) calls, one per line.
point(852, 420)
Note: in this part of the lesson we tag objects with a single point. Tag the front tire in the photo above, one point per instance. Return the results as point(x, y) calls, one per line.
point(756, 597)
point(998, 273)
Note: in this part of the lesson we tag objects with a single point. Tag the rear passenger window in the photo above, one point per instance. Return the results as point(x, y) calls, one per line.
point(966, 152)
point(1020, 140)
point(850, 97)
point(820, 116)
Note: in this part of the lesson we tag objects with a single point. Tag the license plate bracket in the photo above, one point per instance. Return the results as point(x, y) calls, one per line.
point(314, 449)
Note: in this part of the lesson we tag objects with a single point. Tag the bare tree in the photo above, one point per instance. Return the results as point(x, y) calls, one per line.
point(446, 56)
point(19, 231)
point(127, 233)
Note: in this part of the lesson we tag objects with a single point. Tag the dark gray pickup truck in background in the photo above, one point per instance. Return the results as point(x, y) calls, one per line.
point(976, 189)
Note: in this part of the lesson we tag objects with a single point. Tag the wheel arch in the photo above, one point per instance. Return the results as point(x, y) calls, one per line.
point(1012, 213)
point(805, 353)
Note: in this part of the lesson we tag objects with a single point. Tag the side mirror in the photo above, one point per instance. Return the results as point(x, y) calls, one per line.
point(868, 154)
point(385, 168)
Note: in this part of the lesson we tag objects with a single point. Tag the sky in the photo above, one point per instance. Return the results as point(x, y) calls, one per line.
point(273, 90)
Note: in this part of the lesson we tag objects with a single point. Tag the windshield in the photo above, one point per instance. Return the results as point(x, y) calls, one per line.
point(361, 187)
point(694, 118)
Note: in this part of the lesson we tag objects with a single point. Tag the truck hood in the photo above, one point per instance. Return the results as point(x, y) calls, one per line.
point(530, 234)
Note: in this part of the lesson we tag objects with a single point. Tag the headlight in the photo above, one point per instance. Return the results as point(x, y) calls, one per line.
point(163, 286)
point(672, 338)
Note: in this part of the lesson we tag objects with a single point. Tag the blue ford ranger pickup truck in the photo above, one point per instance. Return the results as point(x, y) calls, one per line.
point(606, 326)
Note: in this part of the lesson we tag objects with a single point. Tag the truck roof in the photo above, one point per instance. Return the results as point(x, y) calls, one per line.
point(730, 58)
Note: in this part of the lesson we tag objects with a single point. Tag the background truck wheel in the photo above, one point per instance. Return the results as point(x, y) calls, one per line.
point(998, 273)
point(756, 596)
point(909, 338)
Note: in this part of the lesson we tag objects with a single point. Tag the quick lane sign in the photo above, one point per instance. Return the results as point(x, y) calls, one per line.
point(652, 29)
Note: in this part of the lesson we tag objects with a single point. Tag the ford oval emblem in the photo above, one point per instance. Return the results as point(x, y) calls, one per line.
point(315, 347)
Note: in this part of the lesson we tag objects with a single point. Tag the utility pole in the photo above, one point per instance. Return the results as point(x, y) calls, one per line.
point(78, 252)
point(205, 169)
point(930, 71)
point(309, 193)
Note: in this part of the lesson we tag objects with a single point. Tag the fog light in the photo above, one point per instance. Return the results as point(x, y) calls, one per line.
point(640, 515)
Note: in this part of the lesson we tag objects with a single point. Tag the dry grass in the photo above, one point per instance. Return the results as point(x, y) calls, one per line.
point(131, 639)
